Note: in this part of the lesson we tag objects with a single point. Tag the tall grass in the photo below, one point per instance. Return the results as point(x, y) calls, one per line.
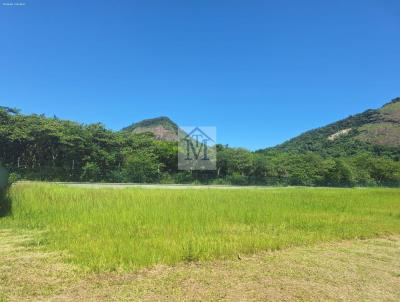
point(108, 229)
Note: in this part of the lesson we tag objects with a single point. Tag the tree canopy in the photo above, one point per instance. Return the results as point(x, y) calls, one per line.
point(36, 147)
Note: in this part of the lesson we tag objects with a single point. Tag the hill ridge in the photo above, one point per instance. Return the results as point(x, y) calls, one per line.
point(162, 127)
point(372, 129)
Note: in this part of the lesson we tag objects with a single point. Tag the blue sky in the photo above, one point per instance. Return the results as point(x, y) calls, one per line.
point(260, 71)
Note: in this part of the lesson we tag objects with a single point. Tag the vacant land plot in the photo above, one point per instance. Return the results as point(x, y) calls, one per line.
point(103, 230)
point(355, 270)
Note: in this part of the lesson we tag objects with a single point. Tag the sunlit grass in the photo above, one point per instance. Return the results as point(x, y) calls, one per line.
point(108, 229)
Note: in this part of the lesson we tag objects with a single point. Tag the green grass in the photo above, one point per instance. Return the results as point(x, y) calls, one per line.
point(124, 229)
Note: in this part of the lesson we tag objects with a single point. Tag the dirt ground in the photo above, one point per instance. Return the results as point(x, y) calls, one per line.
point(358, 270)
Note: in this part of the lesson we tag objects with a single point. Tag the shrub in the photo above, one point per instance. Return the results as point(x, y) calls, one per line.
point(13, 177)
point(237, 179)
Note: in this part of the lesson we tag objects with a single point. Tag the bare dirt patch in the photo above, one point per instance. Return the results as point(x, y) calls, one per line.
point(358, 270)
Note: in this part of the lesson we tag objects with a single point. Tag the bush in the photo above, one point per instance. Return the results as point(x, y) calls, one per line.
point(167, 179)
point(13, 177)
point(237, 179)
point(183, 177)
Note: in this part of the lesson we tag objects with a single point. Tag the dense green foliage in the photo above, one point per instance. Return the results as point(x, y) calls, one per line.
point(385, 123)
point(107, 229)
point(35, 147)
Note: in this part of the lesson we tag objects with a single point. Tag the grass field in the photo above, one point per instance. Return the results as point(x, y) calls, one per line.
point(349, 270)
point(126, 229)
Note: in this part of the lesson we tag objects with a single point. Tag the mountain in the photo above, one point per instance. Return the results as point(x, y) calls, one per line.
point(162, 127)
point(375, 130)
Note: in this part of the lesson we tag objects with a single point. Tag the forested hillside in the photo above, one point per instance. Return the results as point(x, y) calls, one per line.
point(375, 130)
point(360, 150)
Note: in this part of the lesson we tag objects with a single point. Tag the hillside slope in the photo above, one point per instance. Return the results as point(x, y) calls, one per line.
point(375, 130)
point(162, 127)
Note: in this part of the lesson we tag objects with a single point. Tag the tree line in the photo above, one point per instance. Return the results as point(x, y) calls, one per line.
point(36, 147)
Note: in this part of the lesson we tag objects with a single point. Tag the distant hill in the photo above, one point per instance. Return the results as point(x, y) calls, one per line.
point(162, 127)
point(376, 130)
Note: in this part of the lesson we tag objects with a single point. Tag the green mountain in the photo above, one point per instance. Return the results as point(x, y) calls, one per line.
point(162, 127)
point(374, 130)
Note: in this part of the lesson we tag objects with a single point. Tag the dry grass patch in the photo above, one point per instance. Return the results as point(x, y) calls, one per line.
point(361, 270)
point(26, 272)
point(357, 270)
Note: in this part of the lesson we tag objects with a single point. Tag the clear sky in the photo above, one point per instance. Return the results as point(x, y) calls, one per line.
point(260, 71)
